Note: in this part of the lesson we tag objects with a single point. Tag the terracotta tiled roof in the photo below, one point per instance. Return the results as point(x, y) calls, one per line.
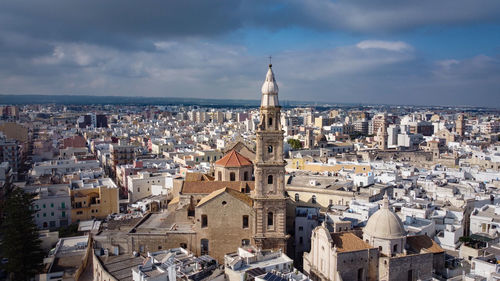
point(348, 242)
point(423, 243)
point(238, 195)
point(233, 159)
point(207, 187)
point(198, 177)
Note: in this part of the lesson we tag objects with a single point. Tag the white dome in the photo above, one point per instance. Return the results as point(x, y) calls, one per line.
point(384, 224)
point(270, 86)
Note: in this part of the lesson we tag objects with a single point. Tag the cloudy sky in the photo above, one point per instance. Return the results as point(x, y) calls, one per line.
point(362, 51)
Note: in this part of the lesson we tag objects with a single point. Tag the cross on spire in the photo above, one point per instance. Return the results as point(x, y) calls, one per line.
point(270, 61)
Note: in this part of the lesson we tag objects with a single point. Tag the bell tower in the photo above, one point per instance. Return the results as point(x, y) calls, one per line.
point(269, 169)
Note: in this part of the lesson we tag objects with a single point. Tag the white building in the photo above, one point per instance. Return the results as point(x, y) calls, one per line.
point(360, 211)
point(485, 267)
point(237, 264)
point(53, 205)
point(486, 220)
point(145, 184)
point(62, 167)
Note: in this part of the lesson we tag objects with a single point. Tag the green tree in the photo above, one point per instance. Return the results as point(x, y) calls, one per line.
point(20, 242)
point(295, 144)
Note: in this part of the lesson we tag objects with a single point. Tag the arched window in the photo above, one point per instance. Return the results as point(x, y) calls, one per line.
point(270, 149)
point(297, 197)
point(313, 199)
point(395, 248)
point(270, 179)
point(270, 121)
point(232, 176)
point(219, 175)
point(245, 176)
point(270, 219)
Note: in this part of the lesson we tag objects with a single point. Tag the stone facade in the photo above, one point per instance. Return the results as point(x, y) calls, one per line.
point(269, 167)
point(225, 222)
point(408, 267)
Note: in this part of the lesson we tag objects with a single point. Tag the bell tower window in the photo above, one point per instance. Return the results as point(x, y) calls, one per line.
point(270, 121)
point(270, 219)
point(270, 149)
point(270, 179)
point(232, 176)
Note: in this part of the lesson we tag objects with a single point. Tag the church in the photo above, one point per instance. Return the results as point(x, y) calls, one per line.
point(382, 252)
point(244, 202)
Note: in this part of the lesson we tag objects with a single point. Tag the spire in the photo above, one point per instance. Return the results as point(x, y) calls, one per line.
point(270, 89)
point(385, 201)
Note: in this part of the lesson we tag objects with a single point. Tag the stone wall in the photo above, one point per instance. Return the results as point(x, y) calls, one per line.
point(415, 267)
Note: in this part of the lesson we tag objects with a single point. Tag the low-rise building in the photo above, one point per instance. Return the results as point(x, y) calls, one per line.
point(62, 167)
point(93, 199)
point(246, 259)
point(486, 220)
point(52, 204)
point(145, 184)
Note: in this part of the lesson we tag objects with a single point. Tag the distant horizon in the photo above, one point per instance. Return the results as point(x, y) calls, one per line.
point(69, 99)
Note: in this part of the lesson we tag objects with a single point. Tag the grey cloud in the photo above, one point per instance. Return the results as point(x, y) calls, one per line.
point(128, 24)
point(214, 70)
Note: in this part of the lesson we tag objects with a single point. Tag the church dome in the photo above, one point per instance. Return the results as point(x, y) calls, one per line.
point(270, 87)
point(384, 224)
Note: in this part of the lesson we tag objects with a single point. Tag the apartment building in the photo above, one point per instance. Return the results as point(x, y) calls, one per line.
point(93, 199)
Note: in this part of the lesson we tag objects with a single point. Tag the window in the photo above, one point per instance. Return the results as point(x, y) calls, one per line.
point(313, 199)
point(360, 274)
point(232, 176)
point(245, 242)
point(270, 121)
point(44, 206)
point(183, 245)
point(301, 228)
point(63, 205)
point(270, 149)
point(297, 197)
point(301, 240)
point(245, 221)
point(270, 179)
point(44, 215)
point(270, 219)
point(395, 248)
point(52, 205)
point(204, 246)
point(51, 214)
point(204, 221)
point(63, 214)
point(245, 176)
point(219, 175)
